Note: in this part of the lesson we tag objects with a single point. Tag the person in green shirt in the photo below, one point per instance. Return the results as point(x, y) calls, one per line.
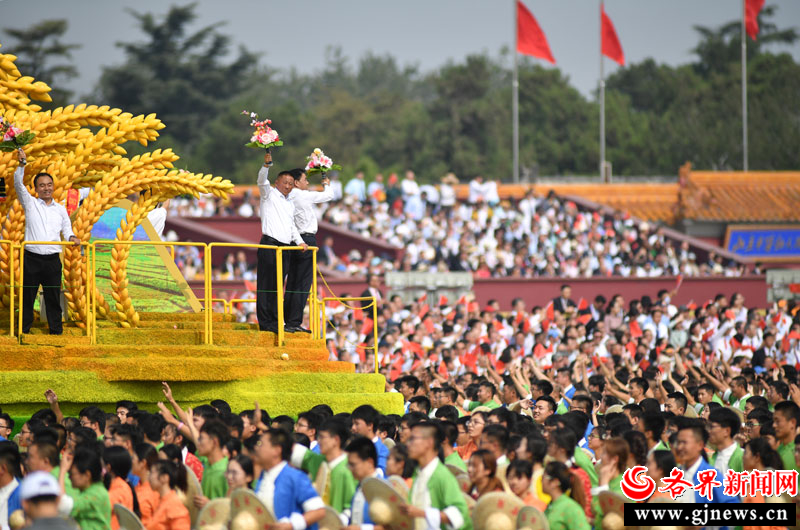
point(451, 456)
point(340, 486)
point(91, 506)
point(785, 420)
point(212, 438)
point(485, 397)
point(723, 425)
point(563, 512)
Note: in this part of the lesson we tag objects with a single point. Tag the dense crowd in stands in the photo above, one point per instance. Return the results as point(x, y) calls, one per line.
point(549, 406)
point(489, 237)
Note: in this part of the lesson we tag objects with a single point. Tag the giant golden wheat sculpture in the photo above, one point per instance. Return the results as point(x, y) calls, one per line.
point(81, 146)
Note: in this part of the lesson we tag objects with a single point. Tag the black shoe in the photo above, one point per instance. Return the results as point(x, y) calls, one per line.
point(297, 329)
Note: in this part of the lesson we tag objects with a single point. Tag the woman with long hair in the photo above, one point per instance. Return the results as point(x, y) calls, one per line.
point(144, 456)
point(171, 514)
point(400, 464)
point(563, 512)
point(482, 468)
point(759, 455)
point(91, 507)
point(117, 462)
point(172, 453)
point(616, 454)
point(659, 465)
point(239, 473)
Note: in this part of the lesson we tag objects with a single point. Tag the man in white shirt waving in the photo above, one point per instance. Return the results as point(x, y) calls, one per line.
point(301, 269)
point(45, 220)
point(278, 229)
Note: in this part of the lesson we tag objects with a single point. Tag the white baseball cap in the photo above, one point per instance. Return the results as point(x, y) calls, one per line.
point(39, 484)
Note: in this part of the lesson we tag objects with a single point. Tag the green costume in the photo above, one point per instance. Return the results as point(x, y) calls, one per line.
point(566, 514)
point(92, 508)
point(436, 487)
point(341, 485)
point(786, 451)
point(583, 461)
point(613, 486)
point(215, 484)
point(472, 405)
point(453, 459)
point(311, 463)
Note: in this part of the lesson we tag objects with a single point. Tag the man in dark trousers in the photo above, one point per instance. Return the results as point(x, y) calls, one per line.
point(301, 269)
point(45, 220)
point(278, 229)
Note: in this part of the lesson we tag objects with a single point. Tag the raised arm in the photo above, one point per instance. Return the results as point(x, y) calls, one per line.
point(263, 177)
point(23, 195)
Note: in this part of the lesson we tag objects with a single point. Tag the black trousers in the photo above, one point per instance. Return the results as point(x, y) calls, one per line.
point(267, 284)
point(44, 270)
point(301, 273)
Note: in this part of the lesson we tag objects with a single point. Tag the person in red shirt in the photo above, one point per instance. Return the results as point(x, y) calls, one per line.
point(117, 463)
point(170, 514)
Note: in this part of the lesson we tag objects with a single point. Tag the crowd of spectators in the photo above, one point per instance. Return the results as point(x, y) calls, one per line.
point(489, 237)
point(549, 406)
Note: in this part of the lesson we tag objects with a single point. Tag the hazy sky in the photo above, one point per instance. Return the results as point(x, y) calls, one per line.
point(428, 33)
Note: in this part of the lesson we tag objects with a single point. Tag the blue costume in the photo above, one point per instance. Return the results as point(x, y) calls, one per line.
point(293, 494)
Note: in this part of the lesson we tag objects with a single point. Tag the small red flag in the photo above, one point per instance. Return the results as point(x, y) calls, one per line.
point(584, 319)
point(678, 282)
point(636, 330)
point(250, 286)
point(358, 314)
point(442, 300)
point(751, 10)
point(424, 310)
point(794, 288)
point(530, 37)
point(549, 313)
point(451, 316)
point(442, 370)
point(422, 298)
point(473, 307)
point(610, 42)
point(729, 314)
point(429, 326)
point(583, 304)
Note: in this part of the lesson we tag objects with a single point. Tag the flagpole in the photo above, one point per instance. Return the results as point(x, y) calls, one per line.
point(602, 102)
point(515, 98)
point(744, 88)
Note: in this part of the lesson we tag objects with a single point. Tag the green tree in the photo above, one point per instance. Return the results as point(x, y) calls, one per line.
point(179, 75)
point(43, 55)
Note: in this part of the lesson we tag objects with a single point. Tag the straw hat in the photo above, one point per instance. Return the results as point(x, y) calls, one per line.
point(399, 485)
point(738, 412)
point(330, 521)
point(530, 518)
point(193, 489)
point(690, 412)
point(496, 511)
point(384, 504)
point(613, 506)
point(16, 520)
point(322, 478)
point(214, 515)
point(248, 512)
point(450, 178)
point(455, 470)
point(389, 443)
point(662, 500)
point(127, 519)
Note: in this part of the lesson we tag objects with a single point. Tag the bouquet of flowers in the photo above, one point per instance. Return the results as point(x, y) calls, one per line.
point(319, 163)
point(13, 137)
point(264, 136)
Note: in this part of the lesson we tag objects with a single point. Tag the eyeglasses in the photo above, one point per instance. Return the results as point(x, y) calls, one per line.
point(751, 425)
point(5, 427)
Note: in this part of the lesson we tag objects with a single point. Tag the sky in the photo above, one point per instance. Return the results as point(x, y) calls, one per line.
point(425, 33)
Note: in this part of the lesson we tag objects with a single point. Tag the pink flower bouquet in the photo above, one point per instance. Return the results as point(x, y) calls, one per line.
point(319, 163)
point(13, 137)
point(264, 136)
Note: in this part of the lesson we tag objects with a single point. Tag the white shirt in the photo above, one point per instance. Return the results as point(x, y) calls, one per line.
point(158, 218)
point(305, 218)
point(277, 212)
point(724, 458)
point(43, 222)
point(688, 493)
point(266, 490)
point(355, 514)
point(5, 493)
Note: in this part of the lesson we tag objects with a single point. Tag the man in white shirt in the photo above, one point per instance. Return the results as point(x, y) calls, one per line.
point(356, 188)
point(301, 269)
point(278, 229)
point(45, 220)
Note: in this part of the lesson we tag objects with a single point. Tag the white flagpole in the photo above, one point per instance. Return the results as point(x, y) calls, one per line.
point(602, 102)
point(744, 88)
point(515, 98)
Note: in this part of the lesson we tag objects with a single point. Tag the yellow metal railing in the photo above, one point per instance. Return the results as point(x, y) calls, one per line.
point(373, 304)
point(89, 280)
point(279, 285)
point(11, 248)
point(93, 257)
point(226, 305)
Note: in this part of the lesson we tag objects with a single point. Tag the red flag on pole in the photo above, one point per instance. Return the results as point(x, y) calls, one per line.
point(751, 10)
point(530, 37)
point(611, 46)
